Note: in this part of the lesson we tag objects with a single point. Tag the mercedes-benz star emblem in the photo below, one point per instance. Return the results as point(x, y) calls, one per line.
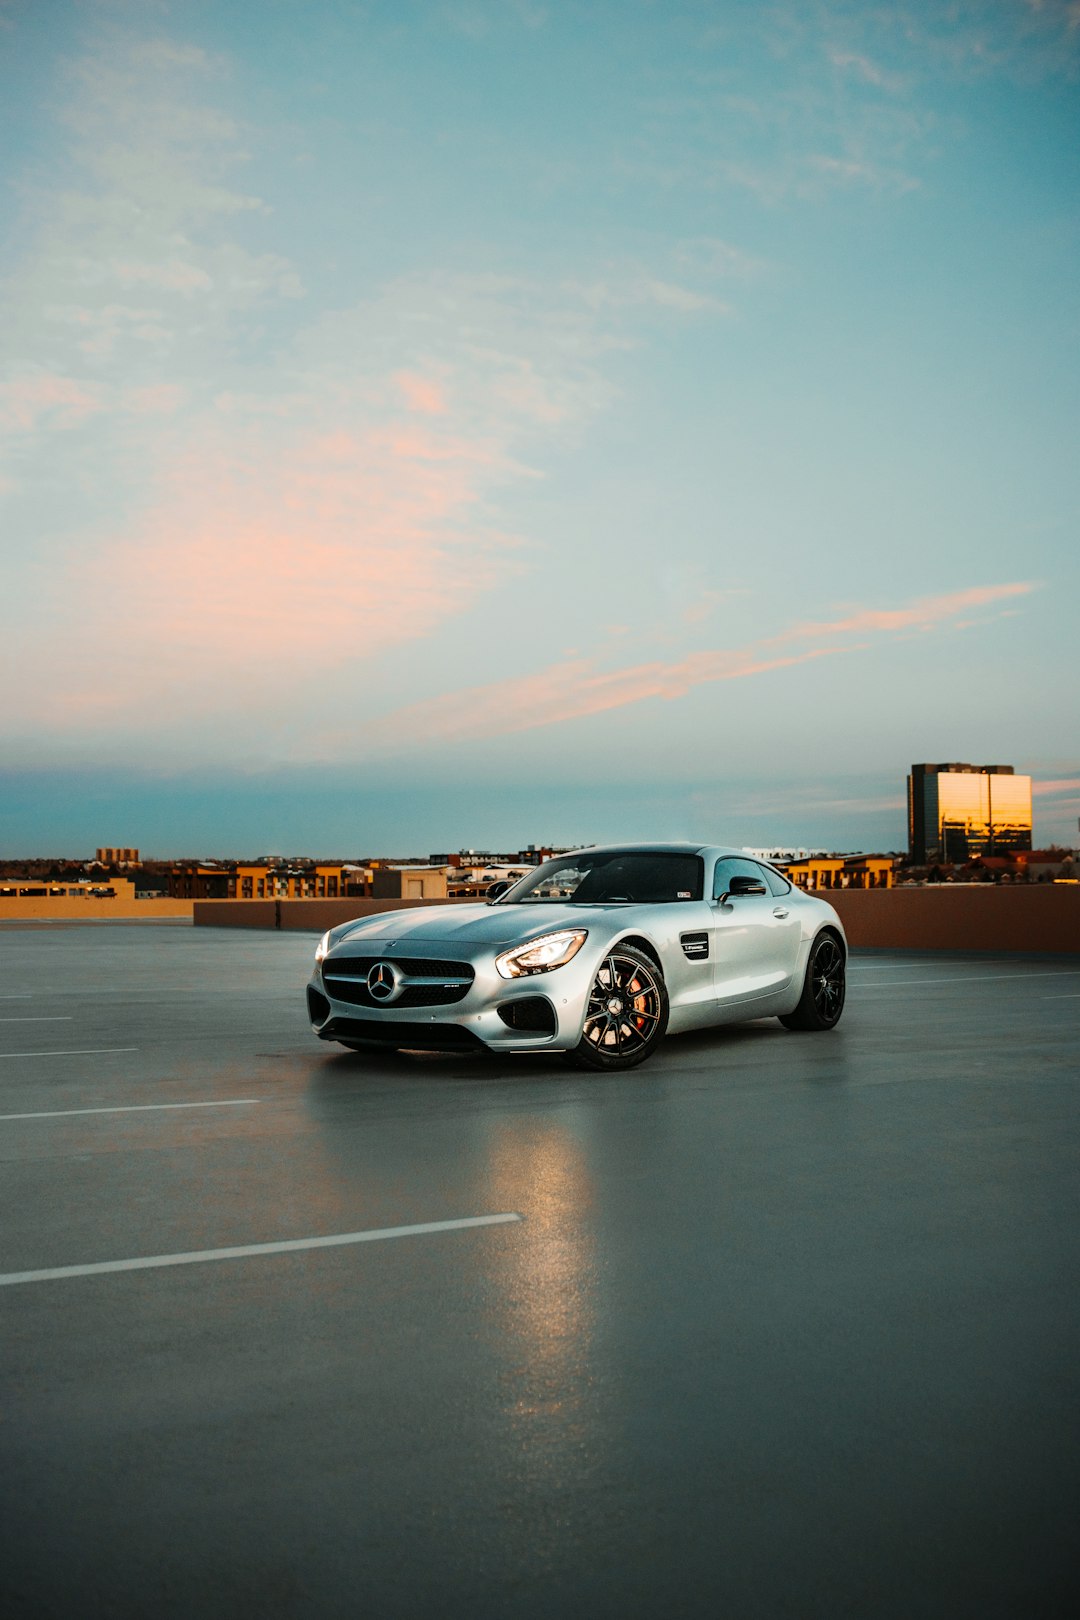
point(382, 982)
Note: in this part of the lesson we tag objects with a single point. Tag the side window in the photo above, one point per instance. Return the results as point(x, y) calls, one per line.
point(729, 866)
point(778, 884)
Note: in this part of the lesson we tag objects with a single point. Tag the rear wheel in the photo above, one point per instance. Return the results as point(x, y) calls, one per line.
point(627, 1012)
point(822, 999)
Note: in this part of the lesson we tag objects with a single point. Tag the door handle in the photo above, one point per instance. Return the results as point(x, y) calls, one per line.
point(780, 911)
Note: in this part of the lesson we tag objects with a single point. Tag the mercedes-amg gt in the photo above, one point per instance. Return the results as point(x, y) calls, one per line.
point(597, 954)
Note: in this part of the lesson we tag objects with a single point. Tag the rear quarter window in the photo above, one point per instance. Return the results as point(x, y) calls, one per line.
point(778, 884)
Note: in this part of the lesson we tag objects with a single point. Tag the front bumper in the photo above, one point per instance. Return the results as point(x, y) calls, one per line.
point(489, 1017)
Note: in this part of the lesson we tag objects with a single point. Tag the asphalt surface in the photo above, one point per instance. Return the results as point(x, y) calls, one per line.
point(790, 1325)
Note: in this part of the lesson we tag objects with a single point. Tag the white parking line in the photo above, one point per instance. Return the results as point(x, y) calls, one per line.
point(247, 1250)
point(973, 978)
point(134, 1108)
point(53, 1019)
point(915, 962)
point(78, 1051)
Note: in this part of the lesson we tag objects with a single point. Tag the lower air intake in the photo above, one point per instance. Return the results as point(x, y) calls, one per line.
point(317, 1005)
point(529, 1015)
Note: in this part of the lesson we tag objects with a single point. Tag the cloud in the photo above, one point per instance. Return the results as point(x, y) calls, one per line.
point(635, 287)
point(277, 553)
point(268, 536)
point(575, 689)
point(706, 602)
point(145, 208)
point(421, 394)
point(709, 255)
point(1030, 41)
point(478, 19)
point(925, 614)
point(869, 72)
point(157, 399)
point(277, 504)
point(41, 398)
point(1070, 785)
point(846, 171)
point(172, 276)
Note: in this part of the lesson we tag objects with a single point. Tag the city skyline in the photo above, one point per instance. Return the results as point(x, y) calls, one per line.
point(475, 423)
point(814, 812)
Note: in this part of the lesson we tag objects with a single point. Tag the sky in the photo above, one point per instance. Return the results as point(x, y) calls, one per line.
point(473, 423)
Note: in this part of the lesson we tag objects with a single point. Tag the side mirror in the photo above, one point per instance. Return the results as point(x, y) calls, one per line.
point(494, 890)
point(743, 885)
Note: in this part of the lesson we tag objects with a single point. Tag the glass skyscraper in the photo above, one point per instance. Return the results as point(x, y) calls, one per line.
point(958, 811)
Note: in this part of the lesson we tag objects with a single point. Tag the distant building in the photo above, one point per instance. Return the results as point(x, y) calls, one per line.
point(464, 876)
point(958, 811)
point(234, 880)
point(86, 900)
point(116, 857)
point(479, 859)
point(408, 883)
point(1050, 865)
point(776, 856)
point(839, 871)
point(85, 889)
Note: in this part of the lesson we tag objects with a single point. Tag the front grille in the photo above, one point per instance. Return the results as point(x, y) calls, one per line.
point(414, 1037)
point(429, 980)
point(416, 967)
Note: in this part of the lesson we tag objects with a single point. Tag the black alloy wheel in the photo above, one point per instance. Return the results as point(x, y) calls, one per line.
point(824, 987)
point(627, 1012)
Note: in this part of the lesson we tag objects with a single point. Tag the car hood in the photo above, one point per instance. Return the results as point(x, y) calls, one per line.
point(464, 925)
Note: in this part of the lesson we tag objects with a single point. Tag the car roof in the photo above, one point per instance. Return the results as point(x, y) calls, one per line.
point(650, 847)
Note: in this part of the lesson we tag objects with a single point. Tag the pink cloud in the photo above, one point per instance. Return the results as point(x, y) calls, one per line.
point(921, 615)
point(1068, 785)
point(523, 391)
point(421, 394)
point(414, 444)
point(159, 399)
point(265, 565)
point(574, 689)
point(44, 397)
point(171, 276)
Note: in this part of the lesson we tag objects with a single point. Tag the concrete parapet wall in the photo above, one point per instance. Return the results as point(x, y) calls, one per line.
point(962, 917)
point(19, 908)
point(311, 916)
point(945, 917)
point(235, 913)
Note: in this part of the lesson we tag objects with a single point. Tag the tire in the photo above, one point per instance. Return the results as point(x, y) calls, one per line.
point(626, 1014)
point(824, 988)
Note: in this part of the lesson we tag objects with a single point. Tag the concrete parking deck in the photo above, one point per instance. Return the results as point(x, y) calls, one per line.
point(788, 1326)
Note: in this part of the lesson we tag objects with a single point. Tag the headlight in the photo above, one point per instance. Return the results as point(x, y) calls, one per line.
point(322, 947)
point(541, 955)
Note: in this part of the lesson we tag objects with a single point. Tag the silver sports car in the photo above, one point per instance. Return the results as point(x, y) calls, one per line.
point(596, 954)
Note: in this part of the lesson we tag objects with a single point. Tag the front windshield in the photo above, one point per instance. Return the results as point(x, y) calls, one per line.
point(593, 877)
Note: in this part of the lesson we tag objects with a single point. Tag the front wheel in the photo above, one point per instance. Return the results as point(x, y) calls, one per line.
point(627, 1012)
point(822, 999)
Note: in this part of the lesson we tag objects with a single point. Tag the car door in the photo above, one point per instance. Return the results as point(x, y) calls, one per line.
point(755, 936)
